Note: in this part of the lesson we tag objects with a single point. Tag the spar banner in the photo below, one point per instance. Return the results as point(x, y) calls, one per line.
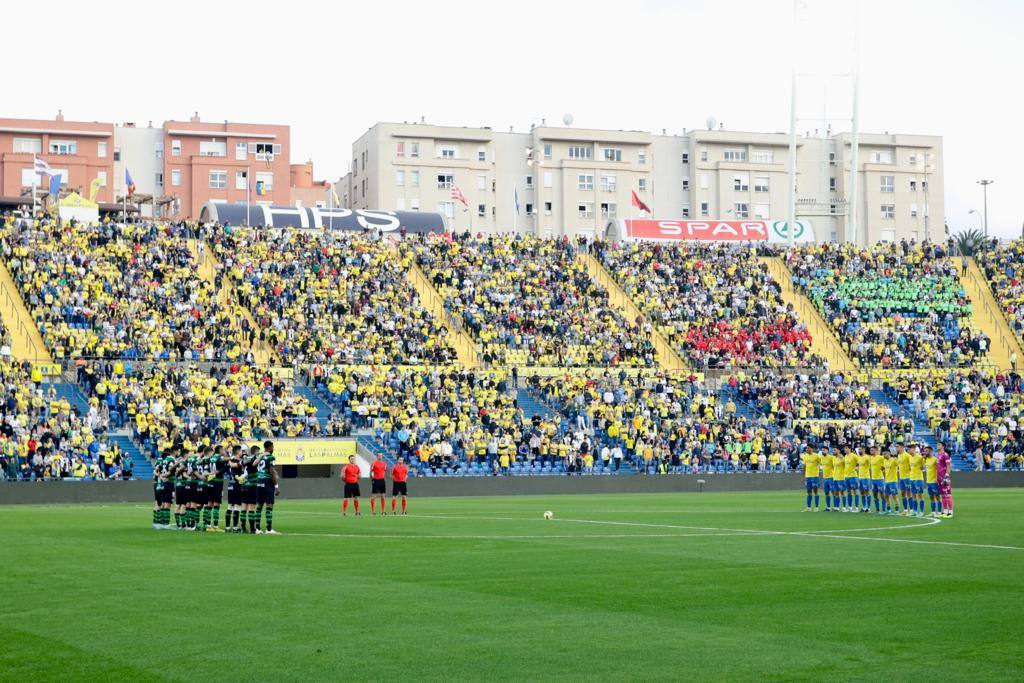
point(652, 229)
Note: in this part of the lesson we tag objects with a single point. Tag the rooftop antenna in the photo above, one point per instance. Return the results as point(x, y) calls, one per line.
point(711, 122)
point(567, 120)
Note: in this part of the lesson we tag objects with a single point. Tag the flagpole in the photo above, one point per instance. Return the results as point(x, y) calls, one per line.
point(330, 205)
point(515, 210)
point(248, 183)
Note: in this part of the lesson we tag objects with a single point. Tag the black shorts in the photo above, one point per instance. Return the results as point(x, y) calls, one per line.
point(378, 486)
point(351, 490)
point(192, 489)
point(181, 494)
point(234, 494)
point(399, 488)
point(202, 492)
point(165, 494)
point(250, 496)
point(265, 493)
point(215, 492)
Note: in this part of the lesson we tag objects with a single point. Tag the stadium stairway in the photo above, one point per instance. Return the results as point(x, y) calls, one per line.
point(922, 432)
point(26, 341)
point(988, 317)
point(465, 347)
point(72, 393)
point(532, 405)
point(823, 340)
point(666, 354)
point(141, 467)
point(207, 267)
point(323, 411)
point(369, 446)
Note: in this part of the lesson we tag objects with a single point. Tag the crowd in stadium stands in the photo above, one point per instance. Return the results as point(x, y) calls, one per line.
point(893, 305)
point(120, 291)
point(531, 301)
point(979, 413)
point(716, 303)
point(1004, 269)
point(43, 436)
point(165, 404)
point(330, 297)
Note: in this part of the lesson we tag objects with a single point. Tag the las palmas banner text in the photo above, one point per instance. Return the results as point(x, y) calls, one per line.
point(311, 451)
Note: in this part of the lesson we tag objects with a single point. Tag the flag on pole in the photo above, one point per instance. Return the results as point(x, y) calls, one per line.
point(41, 166)
point(55, 185)
point(334, 194)
point(638, 203)
point(261, 188)
point(515, 198)
point(129, 183)
point(458, 196)
point(94, 189)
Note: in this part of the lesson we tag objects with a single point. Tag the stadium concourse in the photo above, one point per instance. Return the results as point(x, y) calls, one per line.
point(162, 337)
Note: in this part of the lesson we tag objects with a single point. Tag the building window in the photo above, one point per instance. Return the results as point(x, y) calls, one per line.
point(529, 182)
point(888, 183)
point(831, 158)
point(29, 177)
point(580, 152)
point(212, 148)
point(175, 177)
point(735, 155)
point(414, 150)
point(481, 209)
point(686, 183)
point(686, 210)
point(703, 153)
point(547, 208)
point(447, 209)
point(686, 157)
point(158, 179)
point(703, 181)
point(924, 185)
point(740, 183)
point(585, 209)
point(913, 185)
point(888, 211)
point(762, 211)
point(414, 178)
point(762, 156)
point(241, 151)
point(400, 204)
point(399, 149)
point(481, 182)
point(414, 204)
point(365, 185)
point(608, 183)
point(549, 180)
point(102, 177)
point(612, 154)
point(265, 151)
point(158, 150)
point(28, 145)
point(400, 178)
point(447, 152)
point(101, 149)
point(913, 160)
point(481, 154)
point(913, 209)
point(760, 183)
point(585, 181)
point(241, 180)
point(218, 180)
point(266, 180)
point(831, 184)
point(741, 209)
point(704, 210)
point(445, 181)
point(608, 209)
point(641, 157)
point(641, 184)
point(881, 157)
point(833, 209)
point(547, 152)
point(175, 148)
point(529, 209)
point(67, 147)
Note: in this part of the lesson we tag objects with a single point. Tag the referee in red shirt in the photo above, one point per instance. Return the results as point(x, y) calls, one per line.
point(350, 475)
point(378, 487)
point(399, 477)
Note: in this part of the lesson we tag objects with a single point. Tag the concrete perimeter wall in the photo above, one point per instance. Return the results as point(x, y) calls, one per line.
point(51, 492)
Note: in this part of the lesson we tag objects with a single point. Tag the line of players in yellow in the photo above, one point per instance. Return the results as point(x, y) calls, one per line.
point(895, 482)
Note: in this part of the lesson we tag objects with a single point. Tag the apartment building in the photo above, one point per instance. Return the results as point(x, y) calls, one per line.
point(572, 181)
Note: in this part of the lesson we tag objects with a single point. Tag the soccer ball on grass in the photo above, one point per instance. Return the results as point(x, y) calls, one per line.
point(549, 515)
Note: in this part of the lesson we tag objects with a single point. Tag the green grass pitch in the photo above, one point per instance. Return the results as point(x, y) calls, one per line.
point(739, 586)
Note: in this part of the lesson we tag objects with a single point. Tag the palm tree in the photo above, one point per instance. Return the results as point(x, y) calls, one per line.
point(970, 242)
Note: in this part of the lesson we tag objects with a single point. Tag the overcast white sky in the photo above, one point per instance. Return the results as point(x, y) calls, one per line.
point(945, 67)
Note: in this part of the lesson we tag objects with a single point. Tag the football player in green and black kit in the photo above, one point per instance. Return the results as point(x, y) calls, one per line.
point(235, 470)
point(177, 470)
point(250, 493)
point(192, 486)
point(266, 486)
point(163, 491)
point(202, 489)
point(215, 466)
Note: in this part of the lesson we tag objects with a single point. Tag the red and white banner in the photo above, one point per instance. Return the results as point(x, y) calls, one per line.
point(707, 231)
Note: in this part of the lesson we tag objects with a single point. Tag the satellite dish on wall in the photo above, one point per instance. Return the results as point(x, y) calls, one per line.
point(711, 123)
point(567, 119)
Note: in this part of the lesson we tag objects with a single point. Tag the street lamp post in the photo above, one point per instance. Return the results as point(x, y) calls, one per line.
point(984, 188)
point(978, 214)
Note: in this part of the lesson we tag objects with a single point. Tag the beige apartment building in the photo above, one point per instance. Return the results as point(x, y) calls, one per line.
point(573, 181)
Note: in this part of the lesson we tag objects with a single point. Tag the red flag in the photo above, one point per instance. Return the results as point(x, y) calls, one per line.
point(639, 204)
point(458, 196)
